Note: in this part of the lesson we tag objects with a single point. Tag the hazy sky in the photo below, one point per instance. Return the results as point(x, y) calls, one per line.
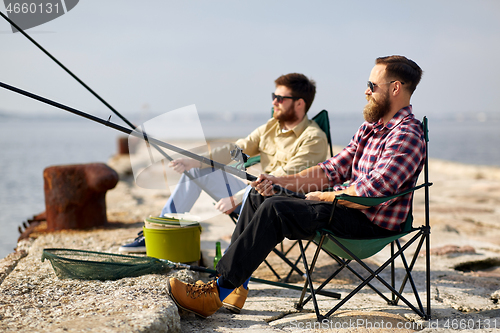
point(225, 55)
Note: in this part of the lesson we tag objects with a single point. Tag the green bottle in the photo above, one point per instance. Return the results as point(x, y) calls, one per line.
point(218, 254)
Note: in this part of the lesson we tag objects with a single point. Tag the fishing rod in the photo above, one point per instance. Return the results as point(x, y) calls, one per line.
point(216, 165)
point(66, 69)
point(132, 126)
point(135, 132)
point(144, 136)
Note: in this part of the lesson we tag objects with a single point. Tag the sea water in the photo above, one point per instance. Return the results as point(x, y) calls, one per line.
point(29, 145)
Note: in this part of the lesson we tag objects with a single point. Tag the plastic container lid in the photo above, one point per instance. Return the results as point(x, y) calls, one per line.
point(171, 221)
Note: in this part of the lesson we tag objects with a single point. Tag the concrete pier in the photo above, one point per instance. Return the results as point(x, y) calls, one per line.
point(465, 203)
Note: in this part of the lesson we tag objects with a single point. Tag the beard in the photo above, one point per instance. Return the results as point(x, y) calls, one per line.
point(286, 115)
point(374, 110)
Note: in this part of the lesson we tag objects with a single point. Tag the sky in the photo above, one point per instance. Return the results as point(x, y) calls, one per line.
point(153, 56)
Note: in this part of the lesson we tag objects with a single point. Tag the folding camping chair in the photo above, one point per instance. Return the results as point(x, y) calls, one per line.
point(343, 251)
point(323, 122)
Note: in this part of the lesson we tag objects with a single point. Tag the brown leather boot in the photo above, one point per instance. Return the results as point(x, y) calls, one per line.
point(235, 301)
point(201, 299)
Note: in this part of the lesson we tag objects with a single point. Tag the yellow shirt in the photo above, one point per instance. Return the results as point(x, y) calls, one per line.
point(286, 153)
point(282, 152)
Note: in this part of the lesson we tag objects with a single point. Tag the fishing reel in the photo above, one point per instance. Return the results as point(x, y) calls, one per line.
point(239, 157)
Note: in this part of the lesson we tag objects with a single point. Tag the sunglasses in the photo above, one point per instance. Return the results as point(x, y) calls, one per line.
point(280, 99)
point(372, 85)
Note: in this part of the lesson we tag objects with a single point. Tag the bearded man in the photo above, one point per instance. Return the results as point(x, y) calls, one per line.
point(288, 143)
point(384, 157)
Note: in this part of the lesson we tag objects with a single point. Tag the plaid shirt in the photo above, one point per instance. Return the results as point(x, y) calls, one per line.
point(380, 161)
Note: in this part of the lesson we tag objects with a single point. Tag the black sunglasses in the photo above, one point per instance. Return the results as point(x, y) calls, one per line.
point(372, 85)
point(280, 99)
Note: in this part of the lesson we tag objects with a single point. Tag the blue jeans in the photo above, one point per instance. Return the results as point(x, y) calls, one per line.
point(221, 184)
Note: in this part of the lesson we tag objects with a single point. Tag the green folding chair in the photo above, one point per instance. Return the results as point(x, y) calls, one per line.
point(323, 122)
point(344, 251)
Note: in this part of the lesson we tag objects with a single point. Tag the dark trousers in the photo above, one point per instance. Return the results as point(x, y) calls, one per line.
point(265, 221)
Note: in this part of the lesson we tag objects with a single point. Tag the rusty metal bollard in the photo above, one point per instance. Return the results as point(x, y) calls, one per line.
point(123, 148)
point(75, 195)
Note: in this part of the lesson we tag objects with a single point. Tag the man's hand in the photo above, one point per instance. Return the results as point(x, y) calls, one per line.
point(183, 164)
point(330, 196)
point(264, 185)
point(318, 196)
point(226, 205)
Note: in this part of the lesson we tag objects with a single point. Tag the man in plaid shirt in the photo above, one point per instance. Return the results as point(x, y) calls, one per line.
point(384, 157)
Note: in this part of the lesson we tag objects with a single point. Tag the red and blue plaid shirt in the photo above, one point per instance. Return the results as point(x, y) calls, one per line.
point(381, 161)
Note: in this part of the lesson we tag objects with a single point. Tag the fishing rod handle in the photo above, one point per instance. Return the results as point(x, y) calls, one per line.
point(279, 189)
point(287, 192)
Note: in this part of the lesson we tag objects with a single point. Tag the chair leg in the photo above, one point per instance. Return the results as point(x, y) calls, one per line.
point(320, 317)
point(374, 274)
point(424, 237)
point(303, 255)
point(272, 270)
point(319, 290)
point(393, 278)
point(427, 232)
point(290, 248)
point(296, 261)
point(409, 276)
point(286, 260)
point(396, 295)
point(344, 264)
point(410, 268)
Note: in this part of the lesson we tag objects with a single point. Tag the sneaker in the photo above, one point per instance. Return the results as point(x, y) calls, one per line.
point(137, 246)
point(235, 301)
point(202, 299)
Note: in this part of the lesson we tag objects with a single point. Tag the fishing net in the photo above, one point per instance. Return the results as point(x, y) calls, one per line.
point(90, 265)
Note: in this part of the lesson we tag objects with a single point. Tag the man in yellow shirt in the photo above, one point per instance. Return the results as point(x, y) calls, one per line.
point(288, 143)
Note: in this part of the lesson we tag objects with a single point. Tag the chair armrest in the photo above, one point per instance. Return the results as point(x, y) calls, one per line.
point(252, 161)
point(374, 201)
